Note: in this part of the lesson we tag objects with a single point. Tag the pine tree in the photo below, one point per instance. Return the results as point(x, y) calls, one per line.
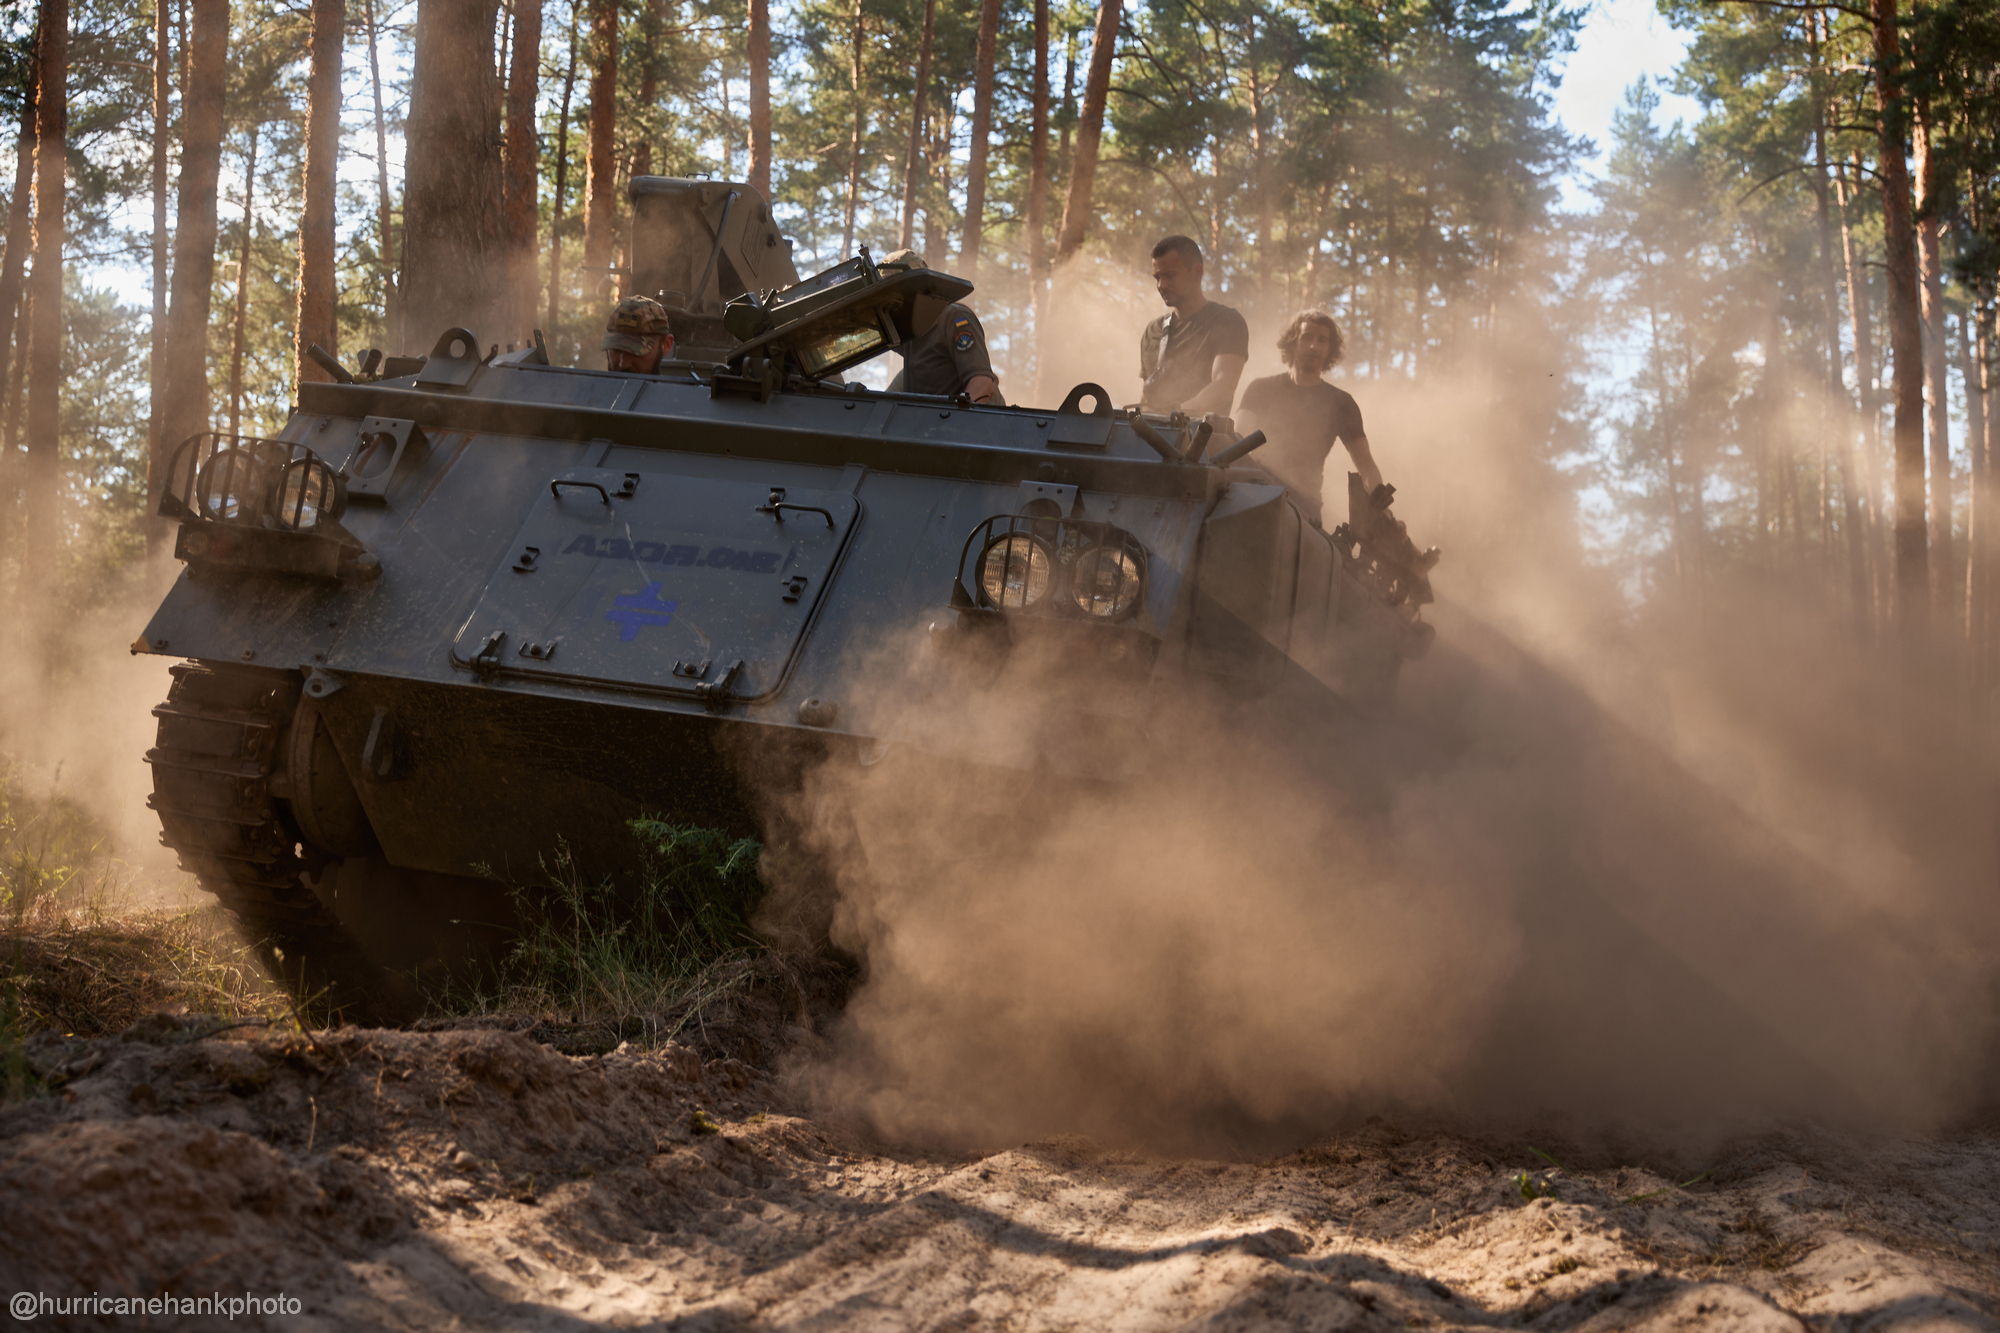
point(454, 270)
point(41, 504)
point(183, 393)
point(316, 322)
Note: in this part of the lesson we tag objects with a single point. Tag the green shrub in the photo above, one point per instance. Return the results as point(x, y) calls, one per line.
point(703, 877)
point(643, 962)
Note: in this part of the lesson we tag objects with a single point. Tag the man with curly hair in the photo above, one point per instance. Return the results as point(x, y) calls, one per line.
point(1303, 415)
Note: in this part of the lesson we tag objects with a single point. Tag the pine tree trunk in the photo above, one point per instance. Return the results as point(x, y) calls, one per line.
point(649, 85)
point(20, 238)
point(184, 392)
point(1089, 131)
point(521, 165)
point(759, 173)
point(913, 168)
point(454, 252)
point(854, 146)
point(937, 176)
point(1988, 551)
point(1068, 105)
point(982, 132)
point(163, 79)
point(1038, 189)
point(1978, 517)
point(41, 527)
point(17, 383)
point(1871, 415)
point(1930, 290)
point(386, 255)
point(237, 324)
point(316, 321)
point(1913, 590)
point(13, 270)
point(600, 207)
point(1834, 422)
point(562, 183)
point(1259, 194)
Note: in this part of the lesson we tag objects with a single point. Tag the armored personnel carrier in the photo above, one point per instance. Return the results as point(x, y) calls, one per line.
point(446, 621)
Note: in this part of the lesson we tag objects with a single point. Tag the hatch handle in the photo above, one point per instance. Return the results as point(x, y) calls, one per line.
point(777, 504)
point(714, 694)
point(555, 489)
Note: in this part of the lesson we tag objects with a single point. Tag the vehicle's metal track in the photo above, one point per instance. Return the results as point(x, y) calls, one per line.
point(212, 788)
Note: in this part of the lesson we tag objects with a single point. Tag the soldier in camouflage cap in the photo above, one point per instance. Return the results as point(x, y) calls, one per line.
point(637, 336)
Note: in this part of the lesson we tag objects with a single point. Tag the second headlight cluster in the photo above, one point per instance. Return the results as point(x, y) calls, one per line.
point(1088, 569)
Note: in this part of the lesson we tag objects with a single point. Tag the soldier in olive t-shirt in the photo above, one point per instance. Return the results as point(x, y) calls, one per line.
point(1303, 415)
point(1191, 359)
point(1176, 355)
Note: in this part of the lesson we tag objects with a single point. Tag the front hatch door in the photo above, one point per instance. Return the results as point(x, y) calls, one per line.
point(659, 583)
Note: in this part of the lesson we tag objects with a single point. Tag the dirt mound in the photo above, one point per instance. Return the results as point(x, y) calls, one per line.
point(478, 1177)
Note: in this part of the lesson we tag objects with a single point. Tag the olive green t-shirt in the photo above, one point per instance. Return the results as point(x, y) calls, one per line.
point(1177, 356)
point(948, 357)
point(1303, 422)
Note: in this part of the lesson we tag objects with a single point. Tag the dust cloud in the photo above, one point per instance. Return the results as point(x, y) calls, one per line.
point(1634, 874)
point(76, 722)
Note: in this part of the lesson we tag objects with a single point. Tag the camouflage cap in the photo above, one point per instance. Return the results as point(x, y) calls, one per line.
point(903, 259)
point(634, 322)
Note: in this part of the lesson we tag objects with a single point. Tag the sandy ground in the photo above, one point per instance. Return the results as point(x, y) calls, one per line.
point(481, 1180)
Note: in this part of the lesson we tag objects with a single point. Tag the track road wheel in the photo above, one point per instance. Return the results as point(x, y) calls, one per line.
point(219, 733)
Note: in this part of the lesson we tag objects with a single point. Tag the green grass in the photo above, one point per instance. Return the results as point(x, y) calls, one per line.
point(644, 964)
point(72, 959)
point(76, 958)
point(49, 846)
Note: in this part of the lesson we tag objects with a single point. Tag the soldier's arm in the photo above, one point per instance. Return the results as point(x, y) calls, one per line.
point(969, 355)
point(1220, 392)
point(1364, 461)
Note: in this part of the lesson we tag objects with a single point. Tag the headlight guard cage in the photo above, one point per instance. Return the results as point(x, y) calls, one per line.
point(1065, 541)
point(250, 503)
point(242, 479)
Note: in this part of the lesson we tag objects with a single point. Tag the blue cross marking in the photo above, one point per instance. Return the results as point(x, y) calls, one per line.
point(633, 611)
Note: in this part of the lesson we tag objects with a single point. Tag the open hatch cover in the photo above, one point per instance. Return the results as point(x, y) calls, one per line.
point(659, 583)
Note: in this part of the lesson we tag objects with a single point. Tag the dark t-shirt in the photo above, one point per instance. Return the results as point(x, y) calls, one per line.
point(1177, 356)
point(1302, 421)
point(944, 360)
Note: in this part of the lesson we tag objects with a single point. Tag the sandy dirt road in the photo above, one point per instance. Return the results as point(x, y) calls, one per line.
point(480, 1180)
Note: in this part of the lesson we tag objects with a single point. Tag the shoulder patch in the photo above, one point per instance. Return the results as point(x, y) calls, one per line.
point(962, 338)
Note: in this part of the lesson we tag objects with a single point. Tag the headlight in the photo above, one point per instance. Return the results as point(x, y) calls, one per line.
point(1014, 571)
point(1105, 582)
point(234, 487)
point(308, 493)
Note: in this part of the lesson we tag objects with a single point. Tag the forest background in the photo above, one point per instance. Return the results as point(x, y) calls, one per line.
point(1759, 356)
